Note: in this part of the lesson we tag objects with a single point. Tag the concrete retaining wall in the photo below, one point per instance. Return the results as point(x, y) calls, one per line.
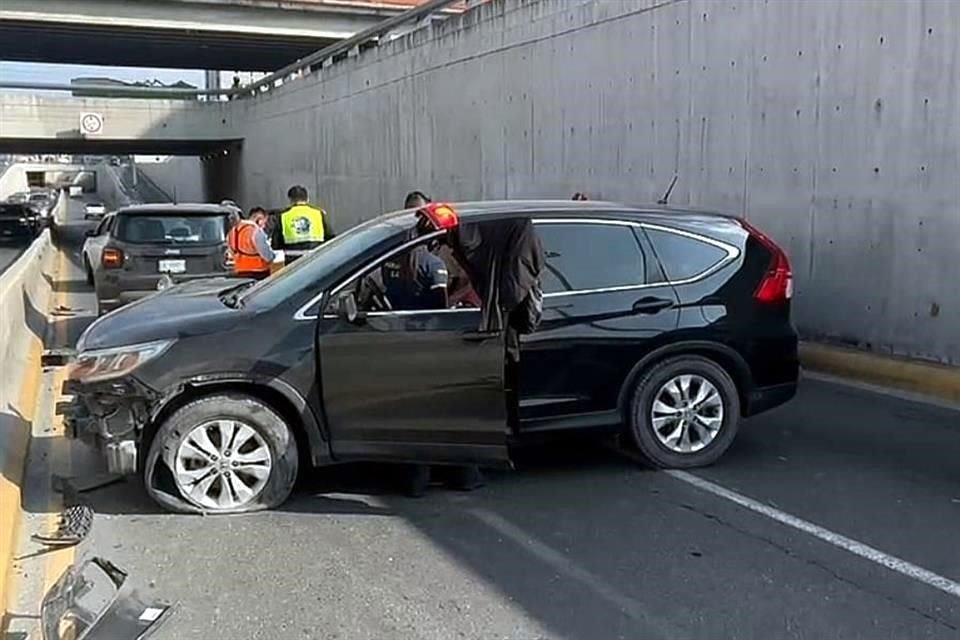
point(110, 187)
point(24, 292)
point(179, 176)
point(834, 125)
point(25, 296)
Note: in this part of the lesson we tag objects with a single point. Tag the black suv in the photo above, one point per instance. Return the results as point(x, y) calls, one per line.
point(666, 325)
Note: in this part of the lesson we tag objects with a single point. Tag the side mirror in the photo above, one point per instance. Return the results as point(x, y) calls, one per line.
point(348, 309)
point(90, 233)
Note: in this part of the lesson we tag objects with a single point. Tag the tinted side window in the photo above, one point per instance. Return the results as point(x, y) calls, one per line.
point(684, 257)
point(589, 256)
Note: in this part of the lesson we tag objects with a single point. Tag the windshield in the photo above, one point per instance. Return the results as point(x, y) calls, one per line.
point(305, 272)
point(171, 229)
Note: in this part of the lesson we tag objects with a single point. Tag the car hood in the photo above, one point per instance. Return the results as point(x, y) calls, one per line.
point(189, 309)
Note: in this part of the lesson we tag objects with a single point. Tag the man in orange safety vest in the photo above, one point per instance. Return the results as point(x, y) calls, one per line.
point(248, 242)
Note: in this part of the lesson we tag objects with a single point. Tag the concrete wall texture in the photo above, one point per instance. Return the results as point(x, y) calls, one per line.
point(834, 125)
point(57, 116)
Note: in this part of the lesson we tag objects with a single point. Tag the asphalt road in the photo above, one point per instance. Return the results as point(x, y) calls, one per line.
point(851, 535)
point(9, 252)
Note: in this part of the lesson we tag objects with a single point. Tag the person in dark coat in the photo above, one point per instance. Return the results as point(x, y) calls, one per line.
point(420, 269)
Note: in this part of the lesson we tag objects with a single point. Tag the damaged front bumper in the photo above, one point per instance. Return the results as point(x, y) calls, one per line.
point(110, 415)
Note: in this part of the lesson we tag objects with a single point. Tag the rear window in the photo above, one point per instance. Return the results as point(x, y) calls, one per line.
point(684, 257)
point(586, 256)
point(171, 229)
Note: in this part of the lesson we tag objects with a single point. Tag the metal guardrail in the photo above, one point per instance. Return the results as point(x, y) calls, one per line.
point(264, 84)
point(100, 91)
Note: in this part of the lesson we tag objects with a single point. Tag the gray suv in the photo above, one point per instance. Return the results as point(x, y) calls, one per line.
point(142, 243)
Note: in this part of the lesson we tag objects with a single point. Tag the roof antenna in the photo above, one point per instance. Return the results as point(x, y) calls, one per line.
point(666, 196)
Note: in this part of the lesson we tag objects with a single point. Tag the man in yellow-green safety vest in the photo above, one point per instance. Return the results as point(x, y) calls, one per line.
point(301, 227)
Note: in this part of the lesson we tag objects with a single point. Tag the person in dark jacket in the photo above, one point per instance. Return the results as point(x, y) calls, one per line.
point(421, 271)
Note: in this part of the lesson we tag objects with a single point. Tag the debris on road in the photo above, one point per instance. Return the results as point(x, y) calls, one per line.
point(78, 605)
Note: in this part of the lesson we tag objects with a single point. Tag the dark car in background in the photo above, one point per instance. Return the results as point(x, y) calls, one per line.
point(18, 222)
point(664, 326)
point(141, 244)
point(42, 202)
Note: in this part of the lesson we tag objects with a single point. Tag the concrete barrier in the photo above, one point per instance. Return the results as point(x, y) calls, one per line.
point(26, 292)
point(927, 378)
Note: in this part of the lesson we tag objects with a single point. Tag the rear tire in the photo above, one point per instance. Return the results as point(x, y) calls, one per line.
point(89, 270)
point(684, 413)
point(195, 465)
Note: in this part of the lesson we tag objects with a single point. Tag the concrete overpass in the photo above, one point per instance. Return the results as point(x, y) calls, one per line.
point(33, 124)
point(249, 35)
point(52, 124)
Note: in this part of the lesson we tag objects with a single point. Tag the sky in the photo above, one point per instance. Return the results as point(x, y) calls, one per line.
point(63, 73)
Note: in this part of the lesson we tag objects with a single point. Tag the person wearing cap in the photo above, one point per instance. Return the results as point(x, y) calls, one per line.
point(248, 242)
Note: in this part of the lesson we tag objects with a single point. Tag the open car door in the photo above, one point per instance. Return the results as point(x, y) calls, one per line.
point(412, 385)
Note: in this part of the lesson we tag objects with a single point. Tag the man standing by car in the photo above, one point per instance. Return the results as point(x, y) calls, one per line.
point(459, 290)
point(427, 273)
point(302, 226)
point(252, 254)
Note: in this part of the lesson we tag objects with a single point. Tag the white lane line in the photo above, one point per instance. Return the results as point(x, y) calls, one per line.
point(893, 563)
point(563, 565)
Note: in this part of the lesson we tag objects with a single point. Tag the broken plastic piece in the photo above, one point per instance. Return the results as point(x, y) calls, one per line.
point(56, 357)
point(70, 610)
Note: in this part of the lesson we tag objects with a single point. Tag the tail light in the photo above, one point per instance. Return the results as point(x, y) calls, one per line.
point(112, 258)
point(227, 258)
point(777, 283)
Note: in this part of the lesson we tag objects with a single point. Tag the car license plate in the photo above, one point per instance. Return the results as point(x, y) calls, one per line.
point(172, 266)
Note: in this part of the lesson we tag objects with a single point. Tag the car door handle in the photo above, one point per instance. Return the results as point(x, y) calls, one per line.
point(650, 304)
point(480, 336)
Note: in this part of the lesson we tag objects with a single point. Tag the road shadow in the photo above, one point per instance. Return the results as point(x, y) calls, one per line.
point(864, 429)
point(59, 328)
point(343, 489)
point(67, 286)
point(16, 432)
point(68, 237)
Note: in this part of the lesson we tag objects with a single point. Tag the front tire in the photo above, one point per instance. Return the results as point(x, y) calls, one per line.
point(226, 453)
point(685, 413)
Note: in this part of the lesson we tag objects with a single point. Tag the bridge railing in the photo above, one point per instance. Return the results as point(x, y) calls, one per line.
point(305, 66)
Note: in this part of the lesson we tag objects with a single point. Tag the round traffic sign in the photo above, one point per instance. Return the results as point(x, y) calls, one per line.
point(91, 123)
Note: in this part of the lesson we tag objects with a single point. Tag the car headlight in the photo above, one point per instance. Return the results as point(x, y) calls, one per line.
point(103, 364)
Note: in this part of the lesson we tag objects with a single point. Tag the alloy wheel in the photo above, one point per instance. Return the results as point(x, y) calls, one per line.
point(222, 464)
point(687, 413)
